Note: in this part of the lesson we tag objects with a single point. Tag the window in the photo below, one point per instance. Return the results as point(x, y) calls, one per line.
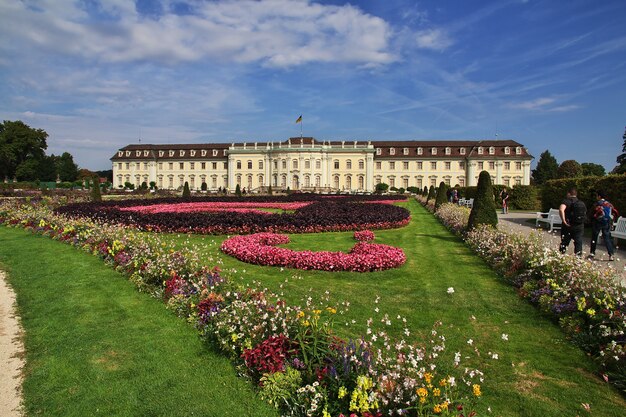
point(447, 181)
point(214, 152)
point(492, 150)
point(361, 164)
point(518, 166)
point(182, 153)
point(261, 182)
point(378, 151)
point(361, 182)
point(349, 164)
point(462, 182)
point(492, 165)
point(379, 165)
point(181, 165)
point(145, 165)
point(433, 165)
point(171, 182)
point(433, 181)
point(171, 153)
point(405, 182)
point(318, 180)
point(447, 165)
point(192, 182)
point(214, 165)
point(214, 181)
point(307, 181)
point(420, 151)
point(249, 164)
point(419, 183)
point(518, 181)
point(284, 164)
point(171, 166)
point(307, 165)
point(507, 182)
point(448, 151)
point(480, 166)
point(462, 151)
point(225, 165)
point(405, 151)
point(249, 182)
point(349, 182)
point(419, 165)
point(238, 164)
point(119, 165)
point(480, 150)
point(294, 164)
point(336, 164)
point(518, 150)
point(160, 165)
point(260, 164)
point(392, 151)
point(160, 181)
point(433, 151)
point(461, 165)
point(405, 165)
point(203, 153)
point(318, 164)
point(392, 165)
point(192, 165)
point(392, 182)
point(203, 165)
point(275, 164)
point(507, 150)
point(127, 165)
point(377, 180)
point(336, 181)
point(193, 153)
point(507, 166)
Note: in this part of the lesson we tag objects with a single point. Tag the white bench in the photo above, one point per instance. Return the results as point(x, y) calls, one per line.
point(552, 218)
point(620, 229)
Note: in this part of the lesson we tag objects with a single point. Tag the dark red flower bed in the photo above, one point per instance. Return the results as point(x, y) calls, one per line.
point(261, 249)
point(324, 214)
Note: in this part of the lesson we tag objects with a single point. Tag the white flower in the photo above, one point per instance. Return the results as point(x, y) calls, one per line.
point(450, 290)
point(494, 356)
point(505, 337)
point(470, 342)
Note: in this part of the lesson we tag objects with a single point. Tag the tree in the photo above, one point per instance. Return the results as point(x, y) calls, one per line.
point(484, 208)
point(547, 168)
point(442, 193)
point(27, 170)
point(85, 174)
point(381, 187)
point(269, 190)
point(592, 170)
point(570, 169)
point(20, 143)
point(204, 187)
point(47, 170)
point(66, 168)
point(431, 193)
point(425, 192)
point(238, 190)
point(186, 191)
point(95, 189)
point(621, 159)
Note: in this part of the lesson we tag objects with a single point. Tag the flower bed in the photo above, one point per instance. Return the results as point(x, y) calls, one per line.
point(291, 352)
point(240, 207)
point(321, 215)
point(588, 303)
point(260, 249)
point(364, 235)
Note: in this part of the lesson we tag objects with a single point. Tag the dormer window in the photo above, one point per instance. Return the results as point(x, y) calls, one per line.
point(433, 151)
point(518, 150)
point(214, 152)
point(161, 153)
point(193, 153)
point(182, 153)
point(145, 153)
point(127, 153)
point(492, 150)
point(420, 151)
point(507, 150)
point(392, 151)
point(379, 151)
point(462, 151)
point(137, 153)
point(448, 151)
point(480, 150)
point(120, 153)
point(171, 153)
point(224, 152)
point(203, 153)
point(405, 151)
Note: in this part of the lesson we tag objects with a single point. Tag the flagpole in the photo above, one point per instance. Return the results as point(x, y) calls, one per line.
point(301, 123)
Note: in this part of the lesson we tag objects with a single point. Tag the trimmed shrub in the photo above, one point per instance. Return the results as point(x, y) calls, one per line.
point(442, 195)
point(524, 197)
point(204, 187)
point(553, 192)
point(95, 190)
point(484, 209)
point(186, 191)
point(381, 188)
point(425, 191)
point(414, 190)
point(431, 193)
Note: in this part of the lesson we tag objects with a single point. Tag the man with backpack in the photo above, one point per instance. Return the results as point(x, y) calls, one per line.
point(602, 220)
point(573, 213)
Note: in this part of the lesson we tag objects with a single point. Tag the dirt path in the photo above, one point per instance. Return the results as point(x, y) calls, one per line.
point(11, 353)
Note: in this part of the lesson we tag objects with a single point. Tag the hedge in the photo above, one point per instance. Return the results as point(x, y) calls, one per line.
point(521, 197)
point(553, 191)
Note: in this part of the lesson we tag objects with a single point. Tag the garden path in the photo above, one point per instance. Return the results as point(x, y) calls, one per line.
point(519, 222)
point(11, 353)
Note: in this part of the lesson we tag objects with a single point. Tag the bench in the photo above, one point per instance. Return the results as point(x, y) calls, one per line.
point(552, 218)
point(620, 229)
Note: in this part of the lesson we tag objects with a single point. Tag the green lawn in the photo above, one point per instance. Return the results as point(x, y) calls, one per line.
point(95, 346)
point(538, 373)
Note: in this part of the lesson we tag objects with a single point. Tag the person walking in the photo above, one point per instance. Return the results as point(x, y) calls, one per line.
point(602, 220)
point(504, 196)
point(573, 213)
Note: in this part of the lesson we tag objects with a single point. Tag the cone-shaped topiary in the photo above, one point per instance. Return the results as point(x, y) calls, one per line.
point(186, 192)
point(484, 208)
point(442, 195)
point(238, 191)
point(95, 189)
point(431, 193)
point(269, 190)
point(425, 192)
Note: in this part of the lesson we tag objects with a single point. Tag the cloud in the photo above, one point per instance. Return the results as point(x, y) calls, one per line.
point(536, 104)
point(436, 39)
point(275, 33)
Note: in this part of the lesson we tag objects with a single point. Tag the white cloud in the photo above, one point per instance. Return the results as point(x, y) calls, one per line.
point(536, 104)
point(277, 33)
point(436, 39)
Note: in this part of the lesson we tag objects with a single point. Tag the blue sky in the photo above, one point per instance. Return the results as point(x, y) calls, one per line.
point(98, 75)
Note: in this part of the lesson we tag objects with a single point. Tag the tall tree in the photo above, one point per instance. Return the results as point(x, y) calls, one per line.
point(570, 169)
point(547, 168)
point(20, 143)
point(442, 197)
point(484, 208)
point(66, 168)
point(591, 169)
point(621, 159)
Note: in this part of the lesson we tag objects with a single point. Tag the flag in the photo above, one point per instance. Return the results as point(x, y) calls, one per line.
point(299, 120)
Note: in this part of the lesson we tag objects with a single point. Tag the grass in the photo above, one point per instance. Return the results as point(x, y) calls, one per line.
point(539, 372)
point(95, 346)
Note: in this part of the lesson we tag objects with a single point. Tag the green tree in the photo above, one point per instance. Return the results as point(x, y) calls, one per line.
point(20, 143)
point(186, 191)
point(381, 187)
point(66, 168)
point(425, 191)
point(238, 190)
point(590, 169)
point(547, 168)
point(27, 170)
point(570, 169)
point(95, 189)
point(441, 195)
point(47, 170)
point(431, 193)
point(484, 208)
point(621, 159)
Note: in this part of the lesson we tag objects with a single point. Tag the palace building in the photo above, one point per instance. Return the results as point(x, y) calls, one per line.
point(309, 164)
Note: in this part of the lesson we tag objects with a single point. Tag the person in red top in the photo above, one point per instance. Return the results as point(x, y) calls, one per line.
point(602, 214)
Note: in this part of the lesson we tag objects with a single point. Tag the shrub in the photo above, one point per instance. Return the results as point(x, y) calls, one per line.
point(553, 192)
point(425, 191)
point(524, 197)
point(414, 190)
point(442, 193)
point(186, 191)
point(95, 190)
point(381, 188)
point(431, 193)
point(484, 209)
point(144, 186)
point(238, 191)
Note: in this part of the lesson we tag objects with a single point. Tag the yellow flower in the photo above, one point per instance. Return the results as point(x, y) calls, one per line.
point(300, 314)
point(428, 377)
point(331, 310)
point(325, 412)
point(422, 392)
point(476, 390)
point(591, 312)
point(342, 392)
point(437, 408)
point(444, 405)
point(234, 337)
point(306, 323)
point(436, 392)
point(443, 382)
point(422, 400)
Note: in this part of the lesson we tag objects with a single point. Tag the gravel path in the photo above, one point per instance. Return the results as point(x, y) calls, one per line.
point(11, 353)
point(518, 222)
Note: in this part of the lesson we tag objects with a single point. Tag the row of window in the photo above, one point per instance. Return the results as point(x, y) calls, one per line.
point(448, 151)
point(181, 153)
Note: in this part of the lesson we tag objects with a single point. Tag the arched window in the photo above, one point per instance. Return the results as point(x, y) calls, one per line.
point(361, 164)
point(349, 164)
